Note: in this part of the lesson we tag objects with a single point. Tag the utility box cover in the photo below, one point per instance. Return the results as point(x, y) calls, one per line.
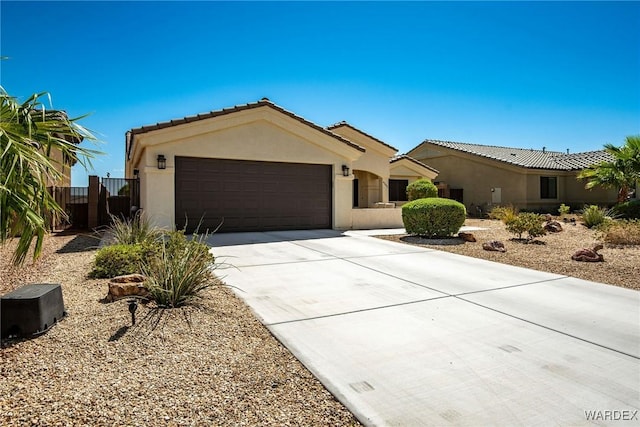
point(496, 195)
point(30, 310)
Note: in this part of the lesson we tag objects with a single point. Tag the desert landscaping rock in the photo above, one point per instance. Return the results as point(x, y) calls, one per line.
point(550, 253)
point(211, 364)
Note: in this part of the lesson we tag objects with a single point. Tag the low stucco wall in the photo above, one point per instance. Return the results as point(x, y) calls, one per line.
point(371, 218)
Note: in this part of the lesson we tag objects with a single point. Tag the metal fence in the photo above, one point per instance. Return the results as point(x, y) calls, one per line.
point(119, 197)
point(74, 201)
point(115, 197)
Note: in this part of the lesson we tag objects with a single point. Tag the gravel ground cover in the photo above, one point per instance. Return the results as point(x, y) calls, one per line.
point(213, 364)
point(551, 253)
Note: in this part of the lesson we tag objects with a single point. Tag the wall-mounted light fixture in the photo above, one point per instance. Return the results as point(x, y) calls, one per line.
point(345, 170)
point(136, 172)
point(162, 162)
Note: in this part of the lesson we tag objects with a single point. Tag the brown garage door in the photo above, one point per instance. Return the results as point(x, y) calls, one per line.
point(252, 196)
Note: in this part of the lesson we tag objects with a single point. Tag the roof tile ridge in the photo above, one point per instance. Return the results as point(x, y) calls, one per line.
point(349, 125)
point(399, 157)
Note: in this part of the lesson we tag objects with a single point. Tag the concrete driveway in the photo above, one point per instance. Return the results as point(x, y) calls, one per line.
point(406, 336)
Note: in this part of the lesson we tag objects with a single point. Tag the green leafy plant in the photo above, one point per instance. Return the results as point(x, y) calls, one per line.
point(526, 222)
point(503, 213)
point(621, 173)
point(116, 260)
point(129, 231)
point(182, 270)
point(620, 232)
point(32, 138)
point(593, 215)
point(421, 189)
point(433, 217)
point(627, 210)
point(564, 210)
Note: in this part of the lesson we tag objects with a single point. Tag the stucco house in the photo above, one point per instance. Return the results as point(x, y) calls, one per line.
point(260, 167)
point(482, 176)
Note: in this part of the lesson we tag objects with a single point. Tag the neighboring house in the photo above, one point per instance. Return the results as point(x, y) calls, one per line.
point(258, 166)
point(481, 176)
point(60, 162)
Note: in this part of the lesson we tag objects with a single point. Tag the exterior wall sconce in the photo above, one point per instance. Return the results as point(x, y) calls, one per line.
point(345, 170)
point(136, 172)
point(162, 162)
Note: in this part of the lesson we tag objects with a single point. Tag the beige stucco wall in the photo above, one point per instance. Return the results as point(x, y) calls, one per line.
point(371, 218)
point(247, 135)
point(576, 194)
point(62, 168)
point(371, 189)
point(375, 159)
point(477, 179)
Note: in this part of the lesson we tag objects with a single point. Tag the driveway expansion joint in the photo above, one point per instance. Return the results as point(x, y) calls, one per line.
point(566, 334)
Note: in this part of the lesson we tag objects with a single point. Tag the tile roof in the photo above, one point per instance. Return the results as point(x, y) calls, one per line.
point(411, 159)
point(343, 123)
point(264, 102)
point(528, 158)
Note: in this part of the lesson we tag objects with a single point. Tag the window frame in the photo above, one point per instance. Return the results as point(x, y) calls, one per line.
point(546, 191)
point(395, 188)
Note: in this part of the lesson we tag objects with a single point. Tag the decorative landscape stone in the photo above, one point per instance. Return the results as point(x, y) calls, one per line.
point(494, 245)
point(127, 286)
point(552, 226)
point(588, 255)
point(467, 237)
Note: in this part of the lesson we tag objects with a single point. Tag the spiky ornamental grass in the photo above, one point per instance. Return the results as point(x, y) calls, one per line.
point(131, 231)
point(593, 215)
point(181, 272)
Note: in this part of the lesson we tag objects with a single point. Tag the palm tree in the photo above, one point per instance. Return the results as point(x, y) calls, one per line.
point(621, 173)
point(29, 134)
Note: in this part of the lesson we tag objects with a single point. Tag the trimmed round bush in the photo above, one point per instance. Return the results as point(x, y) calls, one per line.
point(116, 260)
point(421, 189)
point(433, 217)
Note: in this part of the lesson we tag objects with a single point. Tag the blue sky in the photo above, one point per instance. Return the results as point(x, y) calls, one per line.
point(564, 75)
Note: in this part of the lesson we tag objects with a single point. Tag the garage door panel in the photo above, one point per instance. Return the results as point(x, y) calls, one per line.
point(252, 196)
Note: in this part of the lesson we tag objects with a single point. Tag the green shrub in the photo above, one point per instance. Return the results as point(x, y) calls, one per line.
point(131, 231)
point(116, 260)
point(181, 271)
point(421, 189)
point(628, 210)
point(593, 216)
point(620, 232)
point(503, 213)
point(433, 217)
point(564, 210)
point(527, 222)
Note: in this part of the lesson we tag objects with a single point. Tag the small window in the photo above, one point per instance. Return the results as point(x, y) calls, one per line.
point(398, 190)
point(548, 187)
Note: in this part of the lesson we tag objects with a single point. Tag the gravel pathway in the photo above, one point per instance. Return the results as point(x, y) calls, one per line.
point(213, 364)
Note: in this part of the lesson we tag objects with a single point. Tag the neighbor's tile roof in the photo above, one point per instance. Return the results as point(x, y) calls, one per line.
point(528, 158)
point(411, 159)
point(343, 123)
point(264, 102)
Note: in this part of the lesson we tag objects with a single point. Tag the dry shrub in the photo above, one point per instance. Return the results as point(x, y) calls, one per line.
point(621, 232)
point(505, 214)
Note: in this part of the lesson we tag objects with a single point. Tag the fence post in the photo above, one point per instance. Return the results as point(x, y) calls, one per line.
point(92, 198)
